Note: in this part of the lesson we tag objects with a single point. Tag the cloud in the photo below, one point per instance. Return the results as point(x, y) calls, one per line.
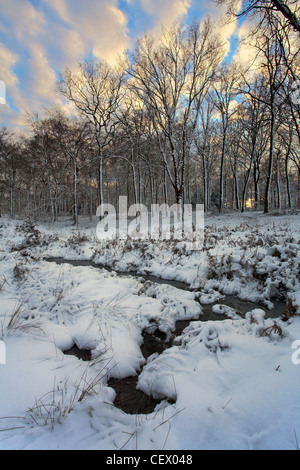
point(8, 60)
point(61, 8)
point(10, 117)
point(41, 76)
point(19, 18)
point(167, 10)
point(246, 54)
point(100, 25)
point(165, 13)
point(24, 67)
point(33, 89)
point(39, 40)
point(225, 27)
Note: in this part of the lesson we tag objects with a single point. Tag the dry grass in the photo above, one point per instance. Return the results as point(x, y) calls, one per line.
point(289, 311)
point(56, 404)
point(19, 321)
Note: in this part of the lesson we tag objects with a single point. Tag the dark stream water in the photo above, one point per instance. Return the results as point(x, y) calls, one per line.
point(128, 398)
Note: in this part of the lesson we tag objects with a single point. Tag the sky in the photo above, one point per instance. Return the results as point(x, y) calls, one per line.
point(39, 38)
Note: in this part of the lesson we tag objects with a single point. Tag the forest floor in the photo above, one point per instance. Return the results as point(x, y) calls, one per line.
point(216, 349)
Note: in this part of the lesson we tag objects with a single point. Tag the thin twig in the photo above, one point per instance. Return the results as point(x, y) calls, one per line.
point(11, 429)
point(223, 407)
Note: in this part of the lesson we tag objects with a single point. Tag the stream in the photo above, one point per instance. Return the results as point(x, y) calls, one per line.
point(128, 398)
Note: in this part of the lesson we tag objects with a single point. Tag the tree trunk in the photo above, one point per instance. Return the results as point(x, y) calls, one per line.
point(205, 183)
point(236, 189)
point(12, 194)
point(75, 192)
point(278, 186)
point(256, 184)
point(287, 13)
point(288, 179)
point(271, 159)
point(221, 199)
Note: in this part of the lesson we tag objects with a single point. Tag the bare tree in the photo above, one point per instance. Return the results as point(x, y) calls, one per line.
point(172, 79)
point(73, 138)
point(226, 90)
point(287, 9)
point(95, 90)
point(203, 141)
point(10, 155)
point(253, 139)
point(270, 56)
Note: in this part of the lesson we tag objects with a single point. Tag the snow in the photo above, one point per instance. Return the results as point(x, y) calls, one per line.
point(225, 310)
point(233, 381)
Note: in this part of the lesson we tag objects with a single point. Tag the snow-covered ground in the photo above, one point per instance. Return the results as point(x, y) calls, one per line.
point(234, 383)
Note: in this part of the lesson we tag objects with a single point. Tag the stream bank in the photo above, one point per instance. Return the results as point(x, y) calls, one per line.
point(129, 398)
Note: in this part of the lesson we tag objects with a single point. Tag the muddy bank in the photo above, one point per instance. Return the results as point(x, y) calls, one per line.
point(83, 354)
point(146, 277)
point(133, 401)
point(240, 306)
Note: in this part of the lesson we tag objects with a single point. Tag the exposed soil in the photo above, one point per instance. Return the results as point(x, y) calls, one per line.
point(131, 400)
point(146, 277)
point(83, 354)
